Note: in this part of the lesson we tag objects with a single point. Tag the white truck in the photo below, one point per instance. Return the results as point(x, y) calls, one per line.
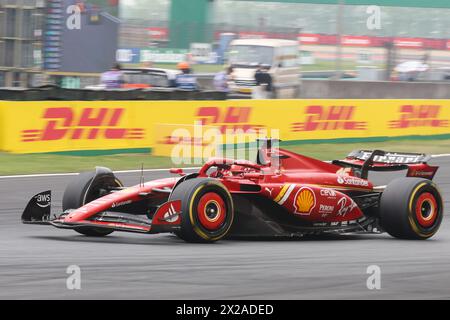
point(280, 56)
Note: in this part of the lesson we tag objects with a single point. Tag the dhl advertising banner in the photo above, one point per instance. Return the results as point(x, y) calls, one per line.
point(55, 126)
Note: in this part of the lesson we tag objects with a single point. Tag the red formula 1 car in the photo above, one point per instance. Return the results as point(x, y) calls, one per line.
point(297, 196)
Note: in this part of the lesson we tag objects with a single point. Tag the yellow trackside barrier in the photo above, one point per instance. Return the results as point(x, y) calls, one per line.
point(54, 126)
point(2, 131)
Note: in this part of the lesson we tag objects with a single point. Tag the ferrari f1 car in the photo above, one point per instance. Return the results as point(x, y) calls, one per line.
point(227, 198)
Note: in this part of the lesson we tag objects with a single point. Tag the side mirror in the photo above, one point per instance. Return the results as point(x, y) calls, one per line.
point(178, 171)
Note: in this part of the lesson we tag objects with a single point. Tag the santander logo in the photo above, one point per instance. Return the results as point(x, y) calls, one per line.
point(353, 181)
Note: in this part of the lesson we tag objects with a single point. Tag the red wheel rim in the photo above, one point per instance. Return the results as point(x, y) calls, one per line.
point(426, 209)
point(211, 211)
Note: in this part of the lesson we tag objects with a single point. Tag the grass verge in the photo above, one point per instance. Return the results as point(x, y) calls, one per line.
point(11, 164)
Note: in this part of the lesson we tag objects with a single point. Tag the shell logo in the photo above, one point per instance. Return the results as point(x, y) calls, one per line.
point(305, 201)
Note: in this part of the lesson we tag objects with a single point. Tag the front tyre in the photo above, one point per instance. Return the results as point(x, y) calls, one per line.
point(206, 210)
point(87, 187)
point(411, 208)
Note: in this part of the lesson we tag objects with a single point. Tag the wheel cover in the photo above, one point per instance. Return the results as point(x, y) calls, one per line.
point(211, 211)
point(426, 210)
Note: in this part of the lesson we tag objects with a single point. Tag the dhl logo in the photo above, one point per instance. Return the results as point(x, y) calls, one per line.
point(90, 123)
point(419, 116)
point(230, 120)
point(329, 118)
point(182, 140)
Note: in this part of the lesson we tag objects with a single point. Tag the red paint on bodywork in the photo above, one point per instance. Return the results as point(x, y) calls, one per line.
point(108, 201)
point(168, 214)
point(310, 189)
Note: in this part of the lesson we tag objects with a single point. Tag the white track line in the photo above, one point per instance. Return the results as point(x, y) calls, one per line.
point(440, 155)
point(40, 175)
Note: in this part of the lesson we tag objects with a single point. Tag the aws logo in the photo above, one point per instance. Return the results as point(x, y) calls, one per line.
point(319, 118)
point(89, 123)
point(305, 201)
point(43, 200)
point(419, 116)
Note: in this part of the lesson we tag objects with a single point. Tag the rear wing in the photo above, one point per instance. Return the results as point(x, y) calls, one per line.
point(387, 157)
point(363, 161)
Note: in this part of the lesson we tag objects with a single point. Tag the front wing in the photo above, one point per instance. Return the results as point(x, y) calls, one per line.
point(165, 219)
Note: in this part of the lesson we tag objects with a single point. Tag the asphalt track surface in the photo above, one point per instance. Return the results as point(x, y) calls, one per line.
point(34, 259)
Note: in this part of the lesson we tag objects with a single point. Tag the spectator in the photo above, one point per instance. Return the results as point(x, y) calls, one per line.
point(222, 78)
point(186, 80)
point(264, 87)
point(113, 79)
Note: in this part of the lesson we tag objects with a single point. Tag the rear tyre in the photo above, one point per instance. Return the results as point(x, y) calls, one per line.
point(411, 208)
point(86, 187)
point(206, 210)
